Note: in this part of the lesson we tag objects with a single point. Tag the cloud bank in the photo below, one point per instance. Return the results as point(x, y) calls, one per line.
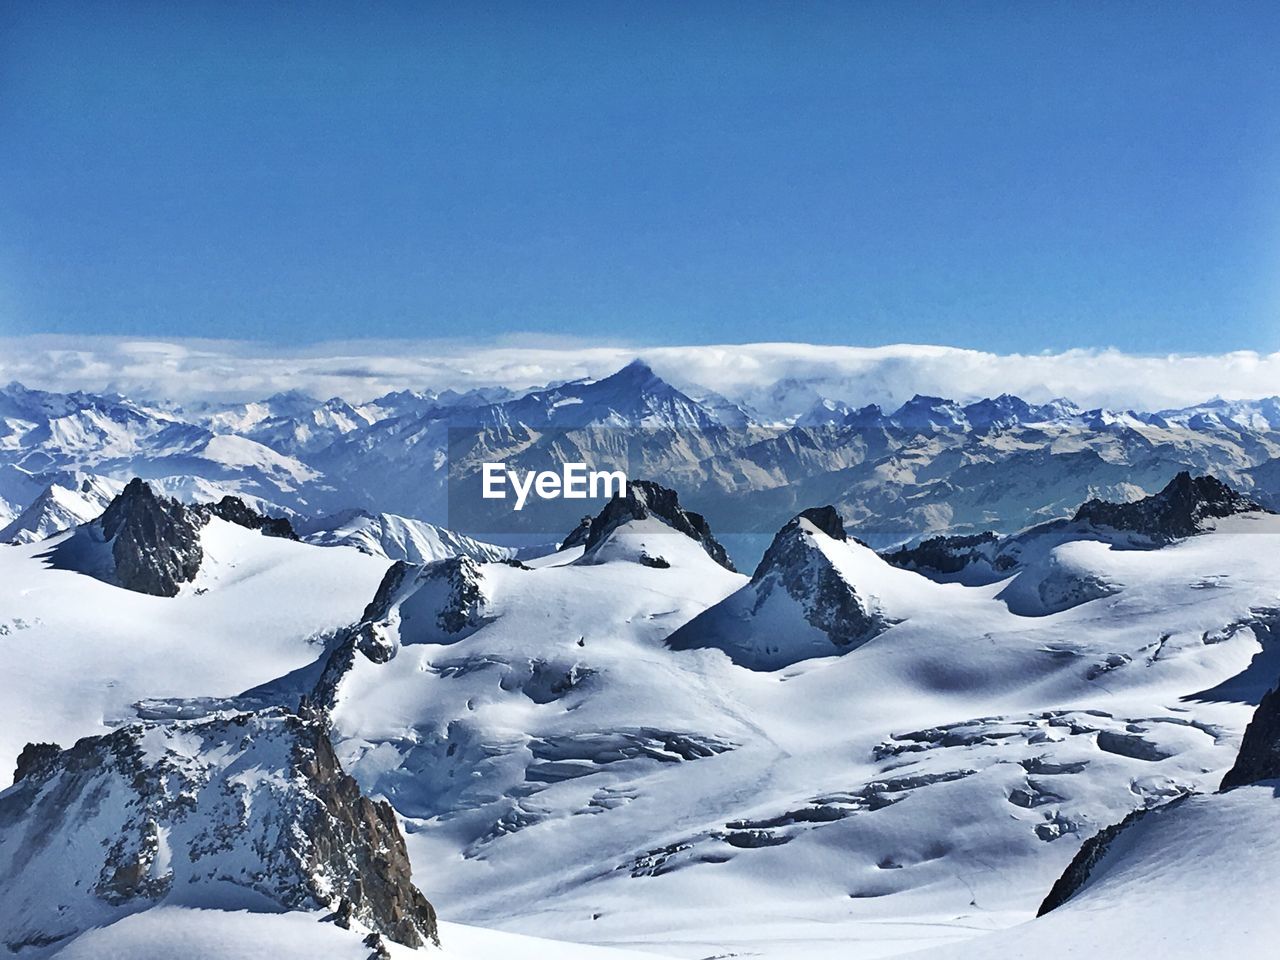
point(189, 370)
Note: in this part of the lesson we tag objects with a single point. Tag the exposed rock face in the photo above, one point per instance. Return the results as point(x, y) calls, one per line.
point(1179, 510)
point(949, 555)
point(155, 541)
point(234, 510)
point(825, 519)
point(256, 801)
point(34, 756)
point(1259, 756)
point(758, 626)
point(830, 603)
point(577, 537)
point(1089, 855)
point(643, 499)
point(437, 602)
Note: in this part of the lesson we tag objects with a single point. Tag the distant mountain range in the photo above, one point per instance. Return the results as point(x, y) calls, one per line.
point(932, 466)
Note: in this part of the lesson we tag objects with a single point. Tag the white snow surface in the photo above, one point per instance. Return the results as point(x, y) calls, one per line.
point(1194, 880)
point(78, 651)
point(188, 933)
point(561, 773)
point(399, 538)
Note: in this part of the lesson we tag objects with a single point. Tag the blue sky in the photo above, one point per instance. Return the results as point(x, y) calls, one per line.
point(1007, 177)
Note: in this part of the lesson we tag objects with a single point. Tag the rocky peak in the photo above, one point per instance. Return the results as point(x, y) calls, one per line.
point(255, 800)
point(825, 519)
point(437, 602)
point(155, 541)
point(947, 555)
point(643, 499)
point(866, 417)
point(798, 565)
point(1259, 756)
point(803, 572)
point(234, 510)
point(1179, 510)
point(824, 412)
point(923, 413)
point(793, 541)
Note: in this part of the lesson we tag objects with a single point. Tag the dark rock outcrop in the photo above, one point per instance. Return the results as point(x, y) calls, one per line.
point(1259, 756)
point(358, 840)
point(577, 537)
point(830, 603)
point(440, 602)
point(1179, 510)
point(643, 499)
point(234, 510)
point(254, 800)
point(155, 541)
point(35, 757)
point(949, 555)
point(1088, 856)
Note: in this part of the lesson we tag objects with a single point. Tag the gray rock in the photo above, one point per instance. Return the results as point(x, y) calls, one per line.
point(1132, 745)
point(155, 541)
point(1179, 510)
point(644, 498)
point(234, 510)
point(1259, 756)
point(159, 807)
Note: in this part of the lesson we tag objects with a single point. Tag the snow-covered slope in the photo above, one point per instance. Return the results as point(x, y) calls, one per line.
point(79, 651)
point(586, 781)
point(560, 770)
point(193, 933)
point(1188, 878)
point(1192, 880)
point(398, 538)
point(60, 508)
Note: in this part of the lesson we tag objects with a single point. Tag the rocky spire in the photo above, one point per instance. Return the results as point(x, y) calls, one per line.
point(155, 541)
point(1179, 510)
point(644, 498)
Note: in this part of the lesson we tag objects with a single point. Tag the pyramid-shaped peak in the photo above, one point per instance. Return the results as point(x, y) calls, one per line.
point(637, 373)
point(644, 499)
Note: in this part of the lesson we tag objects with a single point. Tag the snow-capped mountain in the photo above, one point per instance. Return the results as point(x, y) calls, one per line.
point(229, 811)
point(59, 508)
point(57, 439)
point(899, 762)
point(932, 466)
point(398, 538)
point(814, 594)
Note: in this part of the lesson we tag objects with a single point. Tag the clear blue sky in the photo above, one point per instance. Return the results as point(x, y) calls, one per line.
point(1009, 176)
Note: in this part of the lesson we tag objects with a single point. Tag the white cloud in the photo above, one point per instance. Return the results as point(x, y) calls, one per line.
point(185, 370)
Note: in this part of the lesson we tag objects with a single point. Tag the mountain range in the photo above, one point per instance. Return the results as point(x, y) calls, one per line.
point(932, 467)
point(231, 733)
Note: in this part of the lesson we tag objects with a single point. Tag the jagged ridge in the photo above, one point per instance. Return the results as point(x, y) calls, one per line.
point(1179, 510)
point(252, 801)
point(644, 499)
